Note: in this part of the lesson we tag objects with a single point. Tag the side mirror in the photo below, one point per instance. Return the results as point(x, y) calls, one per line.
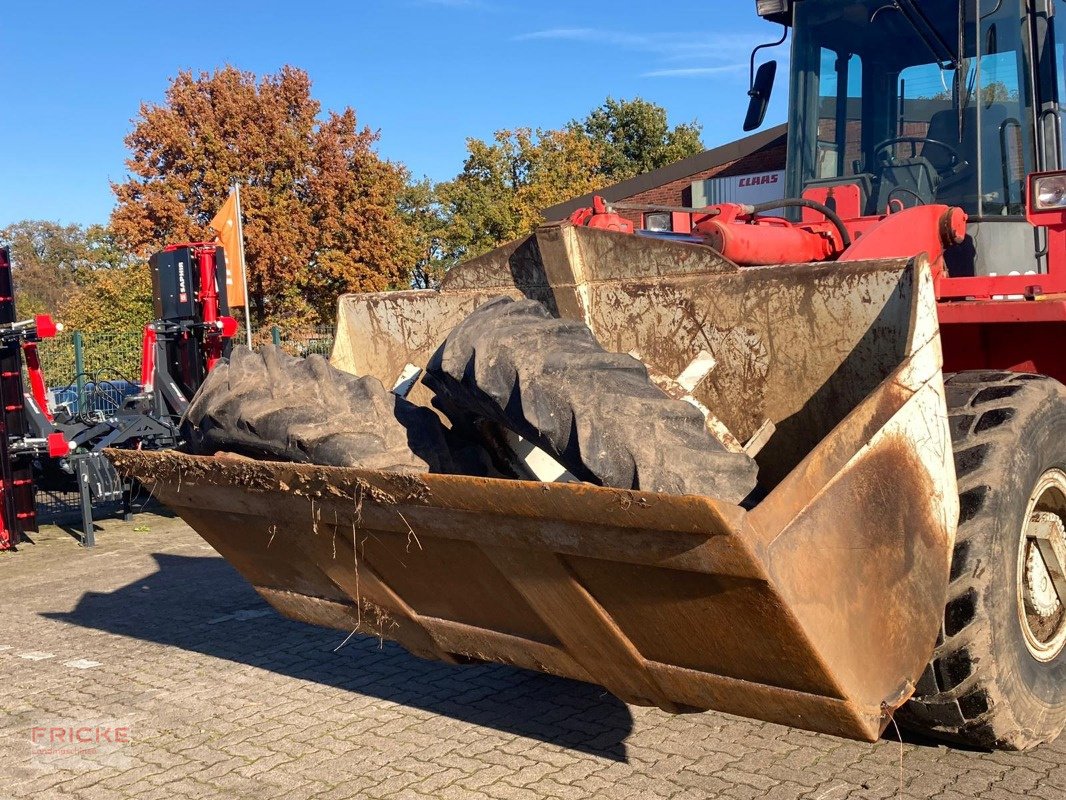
point(761, 89)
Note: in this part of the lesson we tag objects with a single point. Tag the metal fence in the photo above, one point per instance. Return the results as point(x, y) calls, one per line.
point(96, 371)
point(109, 359)
point(316, 341)
point(103, 356)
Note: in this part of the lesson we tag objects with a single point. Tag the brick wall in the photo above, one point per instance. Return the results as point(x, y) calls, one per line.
point(679, 192)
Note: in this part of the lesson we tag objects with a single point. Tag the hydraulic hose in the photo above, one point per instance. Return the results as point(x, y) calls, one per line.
point(794, 202)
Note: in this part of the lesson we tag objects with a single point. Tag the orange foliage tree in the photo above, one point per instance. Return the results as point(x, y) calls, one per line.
point(320, 206)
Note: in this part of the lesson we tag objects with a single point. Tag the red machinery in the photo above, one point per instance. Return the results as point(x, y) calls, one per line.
point(987, 321)
point(192, 329)
point(18, 446)
point(64, 450)
point(937, 170)
point(936, 127)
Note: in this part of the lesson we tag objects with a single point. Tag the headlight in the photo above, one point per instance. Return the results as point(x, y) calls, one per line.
point(1049, 192)
point(658, 222)
point(769, 8)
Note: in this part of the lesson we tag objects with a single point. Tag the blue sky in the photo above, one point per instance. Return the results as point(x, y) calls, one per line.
point(426, 73)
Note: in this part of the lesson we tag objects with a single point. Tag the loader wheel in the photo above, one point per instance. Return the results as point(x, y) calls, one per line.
point(270, 405)
point(998, 675)
point(597, 413)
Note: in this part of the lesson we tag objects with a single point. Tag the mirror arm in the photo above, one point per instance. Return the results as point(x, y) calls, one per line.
point(751, 66)
point(995, 10)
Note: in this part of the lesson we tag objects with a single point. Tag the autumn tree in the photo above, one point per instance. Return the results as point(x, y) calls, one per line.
point(50, 260)
point(320, 206)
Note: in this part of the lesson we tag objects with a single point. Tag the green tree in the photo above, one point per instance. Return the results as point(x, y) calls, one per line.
point(994, 92)
point(506, 182)
point(504, 185)
point(320, 206)
point(51, 260)
point(110, 300)
point(634, 137)
point(425, 218)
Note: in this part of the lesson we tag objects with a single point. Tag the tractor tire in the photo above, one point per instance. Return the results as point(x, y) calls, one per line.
point(997, 678)
point(270, 405)
point(597, 413)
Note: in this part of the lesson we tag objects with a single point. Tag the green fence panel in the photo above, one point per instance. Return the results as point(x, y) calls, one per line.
point(116, 355)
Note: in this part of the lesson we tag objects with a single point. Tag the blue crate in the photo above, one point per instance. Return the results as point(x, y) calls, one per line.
point(105, 396)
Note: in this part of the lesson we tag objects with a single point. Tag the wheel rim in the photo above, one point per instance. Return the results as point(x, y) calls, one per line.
point(1041, 611)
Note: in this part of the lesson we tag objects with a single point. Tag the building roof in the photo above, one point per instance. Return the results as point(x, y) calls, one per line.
point(701, 162)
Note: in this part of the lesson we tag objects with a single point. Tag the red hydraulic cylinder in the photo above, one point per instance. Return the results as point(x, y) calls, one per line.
point(209, 305)
point(148, 358)
point(36, 376)
point(762, 243)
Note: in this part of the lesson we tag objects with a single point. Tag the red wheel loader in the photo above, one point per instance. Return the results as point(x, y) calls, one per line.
point(886, 344)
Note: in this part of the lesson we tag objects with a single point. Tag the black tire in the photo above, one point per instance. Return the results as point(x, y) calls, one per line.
point(597, 413)
point(270, 405)
point(984, 686)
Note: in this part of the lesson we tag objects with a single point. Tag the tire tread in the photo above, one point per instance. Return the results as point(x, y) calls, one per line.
point(956, 696)
point(596, 412)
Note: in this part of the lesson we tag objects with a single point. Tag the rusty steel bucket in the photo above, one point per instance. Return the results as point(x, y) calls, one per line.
point(817, 608)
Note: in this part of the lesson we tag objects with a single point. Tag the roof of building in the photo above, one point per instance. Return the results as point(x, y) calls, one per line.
point(692, 165)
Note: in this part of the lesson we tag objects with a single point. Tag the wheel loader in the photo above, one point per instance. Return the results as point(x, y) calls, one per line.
point(866, 518)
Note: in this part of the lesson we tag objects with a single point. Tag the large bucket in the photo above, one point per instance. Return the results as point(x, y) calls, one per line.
point(818, 608)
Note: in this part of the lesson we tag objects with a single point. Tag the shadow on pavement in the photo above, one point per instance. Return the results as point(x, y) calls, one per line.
point(916, 738)
point(203, 605)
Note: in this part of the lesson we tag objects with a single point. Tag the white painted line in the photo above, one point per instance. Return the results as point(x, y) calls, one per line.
point(241, 616)
point(253, 613)
point(81, 663)
point(4, 647)
point(36, 656)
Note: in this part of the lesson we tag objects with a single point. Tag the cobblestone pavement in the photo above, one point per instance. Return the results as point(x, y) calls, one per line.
point(152, 633)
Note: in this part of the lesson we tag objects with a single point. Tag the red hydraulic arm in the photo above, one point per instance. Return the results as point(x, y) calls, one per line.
point(148, 358)
point(1003, 322)
point(209, 304)
point(217, 326)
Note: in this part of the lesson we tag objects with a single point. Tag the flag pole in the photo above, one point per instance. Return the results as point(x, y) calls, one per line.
point(244, 266)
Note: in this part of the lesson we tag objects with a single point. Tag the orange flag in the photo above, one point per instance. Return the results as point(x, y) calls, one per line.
point(227, 224)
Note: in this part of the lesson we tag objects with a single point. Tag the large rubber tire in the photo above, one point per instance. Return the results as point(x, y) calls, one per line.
point(270, 405)
point(983, 686)
point(597, 413)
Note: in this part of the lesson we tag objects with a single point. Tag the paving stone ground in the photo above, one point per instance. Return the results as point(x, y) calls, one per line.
point(221, 698)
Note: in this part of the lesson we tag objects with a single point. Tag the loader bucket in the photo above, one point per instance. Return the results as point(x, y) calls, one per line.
point(818, 607)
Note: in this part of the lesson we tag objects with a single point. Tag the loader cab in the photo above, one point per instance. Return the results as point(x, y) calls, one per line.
point(938, 101)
